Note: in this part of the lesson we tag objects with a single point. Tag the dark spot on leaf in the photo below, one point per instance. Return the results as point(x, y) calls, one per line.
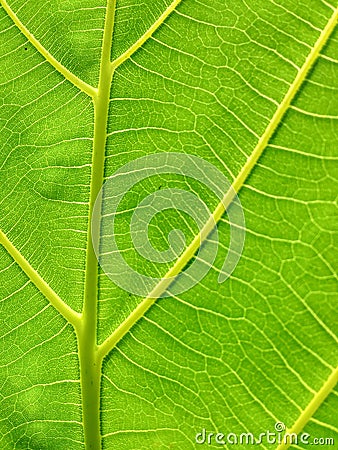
point(189, 263)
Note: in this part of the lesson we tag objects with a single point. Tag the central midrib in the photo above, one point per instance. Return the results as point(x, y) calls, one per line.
point(90, 354)
point(90, 362)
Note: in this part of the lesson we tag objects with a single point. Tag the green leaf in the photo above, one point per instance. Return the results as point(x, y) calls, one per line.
point(250, 87)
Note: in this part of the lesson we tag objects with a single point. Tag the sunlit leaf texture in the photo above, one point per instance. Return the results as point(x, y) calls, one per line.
point(87, 87)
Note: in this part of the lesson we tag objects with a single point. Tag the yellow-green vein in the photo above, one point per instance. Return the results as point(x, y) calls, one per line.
point(141, 309)
point(66, 311)
point(127, 54)
point(90, 364)
point(86, 88)
point(311, 408)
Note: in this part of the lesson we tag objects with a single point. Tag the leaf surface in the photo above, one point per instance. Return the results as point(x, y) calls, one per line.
point(250, 87)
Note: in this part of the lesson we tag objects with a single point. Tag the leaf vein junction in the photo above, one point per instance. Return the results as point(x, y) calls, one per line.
point(128, 53)
point(147, 302)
